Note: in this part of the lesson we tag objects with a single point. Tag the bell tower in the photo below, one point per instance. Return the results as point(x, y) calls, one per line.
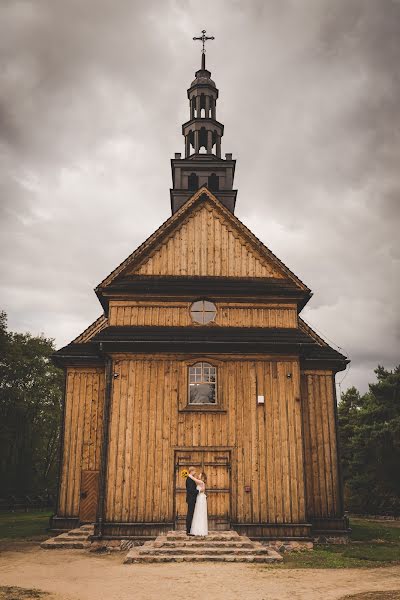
point(202, 164)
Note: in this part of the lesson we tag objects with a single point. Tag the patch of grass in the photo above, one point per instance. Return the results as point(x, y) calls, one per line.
point(363, 530)
point(342, 557)
point(373, 552)
point(17, 593)
point(373, 544)
point(30, 525)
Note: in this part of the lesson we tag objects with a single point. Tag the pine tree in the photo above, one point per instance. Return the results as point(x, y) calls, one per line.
point(370, 444)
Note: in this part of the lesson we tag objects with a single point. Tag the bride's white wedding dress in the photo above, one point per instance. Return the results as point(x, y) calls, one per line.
point(200, 520)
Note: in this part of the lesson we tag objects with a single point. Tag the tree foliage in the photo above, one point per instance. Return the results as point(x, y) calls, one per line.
point(30, 409)
point(369, 428)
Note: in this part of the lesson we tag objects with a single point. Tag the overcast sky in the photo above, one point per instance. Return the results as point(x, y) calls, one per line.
point(93, 95)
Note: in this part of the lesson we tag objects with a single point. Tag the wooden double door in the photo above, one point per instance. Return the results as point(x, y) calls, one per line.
point(217, 466)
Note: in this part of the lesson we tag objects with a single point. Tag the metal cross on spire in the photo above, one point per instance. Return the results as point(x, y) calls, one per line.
point(203, 38)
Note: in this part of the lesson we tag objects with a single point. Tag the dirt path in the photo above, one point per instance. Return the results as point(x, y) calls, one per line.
point(78, 575)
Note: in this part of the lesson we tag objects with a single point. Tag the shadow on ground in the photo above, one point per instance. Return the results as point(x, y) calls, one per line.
point(388, 595)
point(17, 593)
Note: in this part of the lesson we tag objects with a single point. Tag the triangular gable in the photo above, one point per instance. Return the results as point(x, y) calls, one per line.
point(203, 238)
point(205, 244)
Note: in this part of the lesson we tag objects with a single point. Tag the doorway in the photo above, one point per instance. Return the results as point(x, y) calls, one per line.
point(217, 466)
point(89, 496)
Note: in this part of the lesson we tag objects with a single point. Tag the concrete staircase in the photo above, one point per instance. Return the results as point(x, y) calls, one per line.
point(218, 546)
point(74, 539)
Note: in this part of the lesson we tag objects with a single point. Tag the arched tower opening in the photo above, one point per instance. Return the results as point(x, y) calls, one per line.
point(213, 182)
point(193, 182)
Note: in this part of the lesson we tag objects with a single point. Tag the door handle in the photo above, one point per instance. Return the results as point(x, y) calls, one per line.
point(83, 495)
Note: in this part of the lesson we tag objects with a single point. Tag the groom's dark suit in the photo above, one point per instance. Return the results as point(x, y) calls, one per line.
point(191, 497)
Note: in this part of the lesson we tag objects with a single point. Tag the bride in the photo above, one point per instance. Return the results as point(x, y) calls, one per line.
point(200, 522)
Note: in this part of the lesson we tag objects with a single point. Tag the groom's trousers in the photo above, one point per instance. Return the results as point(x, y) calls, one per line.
point(190, 510)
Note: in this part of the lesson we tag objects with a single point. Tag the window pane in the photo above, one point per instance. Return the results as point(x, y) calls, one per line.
point(197, 306)
point(209, 306)
point(202, 393)
point(209, 374)
point(208, 317)
point(198, 317)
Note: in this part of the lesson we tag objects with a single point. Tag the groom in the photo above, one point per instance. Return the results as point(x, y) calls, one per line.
point(191, 497)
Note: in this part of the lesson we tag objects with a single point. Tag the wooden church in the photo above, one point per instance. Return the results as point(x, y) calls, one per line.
point(201, 358)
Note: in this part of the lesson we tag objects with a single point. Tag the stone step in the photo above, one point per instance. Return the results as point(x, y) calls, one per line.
point(203, 544)
point(214, 537)
point(134, 557)
point(71, 538)
point(209, 551)
point(76, 539)
point(78, 533)
point(54, 543)
point(219, 546)
point(211, 533)
point(72, 541)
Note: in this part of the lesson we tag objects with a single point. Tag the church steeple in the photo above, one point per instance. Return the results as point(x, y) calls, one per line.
point(203, 164)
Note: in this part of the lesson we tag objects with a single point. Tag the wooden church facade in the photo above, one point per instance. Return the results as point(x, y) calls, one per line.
point(201, 358)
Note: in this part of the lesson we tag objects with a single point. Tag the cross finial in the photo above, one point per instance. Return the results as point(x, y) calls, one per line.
point(203, 38)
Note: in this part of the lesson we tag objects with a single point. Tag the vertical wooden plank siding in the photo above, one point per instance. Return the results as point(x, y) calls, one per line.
point(320, 453)
point(125, 313)
point(198, 250)
point(82, 438)
point(147, 425)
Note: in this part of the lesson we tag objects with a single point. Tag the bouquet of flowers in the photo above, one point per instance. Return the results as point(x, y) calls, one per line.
point(184, 473)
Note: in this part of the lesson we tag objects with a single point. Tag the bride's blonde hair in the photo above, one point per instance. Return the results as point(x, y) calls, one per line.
point(203, 477)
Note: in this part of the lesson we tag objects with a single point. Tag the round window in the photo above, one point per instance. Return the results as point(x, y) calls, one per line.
point(203, 312)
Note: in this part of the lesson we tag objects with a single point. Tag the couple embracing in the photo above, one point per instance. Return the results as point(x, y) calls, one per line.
point(196, 518)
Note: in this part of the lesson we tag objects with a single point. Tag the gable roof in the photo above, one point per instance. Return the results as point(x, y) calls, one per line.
point(101, 323)
point(202, 340)
point(98, 325)
point(265, 263)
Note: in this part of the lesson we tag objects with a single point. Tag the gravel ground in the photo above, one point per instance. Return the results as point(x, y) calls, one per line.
point(78, 575)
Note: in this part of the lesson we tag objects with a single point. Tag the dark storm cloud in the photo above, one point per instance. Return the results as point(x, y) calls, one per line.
point(93, 94)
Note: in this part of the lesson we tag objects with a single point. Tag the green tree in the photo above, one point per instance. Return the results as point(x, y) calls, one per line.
point(370, 444)
point(30, 409)
point(348, 410)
